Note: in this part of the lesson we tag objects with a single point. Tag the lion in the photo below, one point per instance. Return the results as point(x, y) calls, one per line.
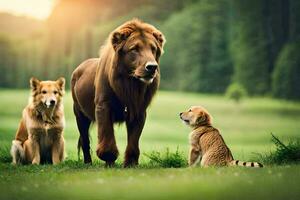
point(39, 138)
point(118, 87)
point(207, 144)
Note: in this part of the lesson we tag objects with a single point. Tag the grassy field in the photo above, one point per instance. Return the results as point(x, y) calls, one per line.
point(245, 127)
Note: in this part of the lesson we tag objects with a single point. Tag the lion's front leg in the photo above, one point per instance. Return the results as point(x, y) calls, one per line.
point(106, 148)
point(134, 131)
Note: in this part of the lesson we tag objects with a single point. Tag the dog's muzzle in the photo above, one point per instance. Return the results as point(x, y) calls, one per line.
point(184, 120)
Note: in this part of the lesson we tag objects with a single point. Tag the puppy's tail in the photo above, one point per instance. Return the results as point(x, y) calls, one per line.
point(17, 152)
point(245, 164)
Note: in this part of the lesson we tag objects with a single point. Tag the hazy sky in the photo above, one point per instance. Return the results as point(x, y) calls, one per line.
point(34, 8)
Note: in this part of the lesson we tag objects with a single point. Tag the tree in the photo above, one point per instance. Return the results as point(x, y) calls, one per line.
point(250, 46)
point(236, 92)
point(197, 56)
point(286, 76)
point(7, 62)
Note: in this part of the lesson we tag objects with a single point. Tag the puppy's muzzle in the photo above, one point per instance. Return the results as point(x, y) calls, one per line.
point(185, 120)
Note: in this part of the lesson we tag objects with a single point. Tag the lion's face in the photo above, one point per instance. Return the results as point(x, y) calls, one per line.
point(139, 50)
point(140, 55)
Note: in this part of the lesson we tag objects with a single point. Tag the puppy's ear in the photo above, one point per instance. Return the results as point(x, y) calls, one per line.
point(160, 38)
point(61, 83)
point(34, 83)
point(119, 36)
point(204, 118)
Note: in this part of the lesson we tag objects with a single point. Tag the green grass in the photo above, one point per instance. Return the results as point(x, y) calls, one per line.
point(167, 159)
point(246, 129)
point(284, 154)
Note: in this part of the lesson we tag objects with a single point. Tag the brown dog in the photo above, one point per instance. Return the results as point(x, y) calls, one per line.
point(39, 138)
point(206, 142)
point(118, 87)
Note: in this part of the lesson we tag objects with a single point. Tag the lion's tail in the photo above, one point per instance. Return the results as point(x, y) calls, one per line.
point(245, 164)
point(17, 152)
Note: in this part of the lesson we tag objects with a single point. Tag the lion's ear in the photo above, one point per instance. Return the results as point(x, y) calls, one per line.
point(160, 38)
point(119, 36)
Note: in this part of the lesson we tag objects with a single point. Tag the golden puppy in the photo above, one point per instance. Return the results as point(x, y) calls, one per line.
point(39, 138)
point(207, 145)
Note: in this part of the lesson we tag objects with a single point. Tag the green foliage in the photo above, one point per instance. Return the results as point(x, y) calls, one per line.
point(7, 62)
point(284, 153)
point(167, 159)
point(197, 56)
point(286, 76)
point(249, 47)
point(210, 44)
point(5, 154)
point(236, 92)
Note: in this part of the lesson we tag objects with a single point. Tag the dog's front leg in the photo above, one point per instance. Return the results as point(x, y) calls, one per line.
point(33, 145)
point(57, 149)
point(36, 152)
point(194, 157)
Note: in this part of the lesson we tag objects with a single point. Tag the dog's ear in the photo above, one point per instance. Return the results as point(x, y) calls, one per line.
point(160, 39)
point(61, 83)
point(118, 37)
point(204, 118)
point(34, 83)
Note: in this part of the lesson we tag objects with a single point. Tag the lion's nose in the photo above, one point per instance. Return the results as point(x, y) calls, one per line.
point(151, 66)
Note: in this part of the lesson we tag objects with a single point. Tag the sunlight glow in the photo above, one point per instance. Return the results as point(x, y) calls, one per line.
point(39, 9)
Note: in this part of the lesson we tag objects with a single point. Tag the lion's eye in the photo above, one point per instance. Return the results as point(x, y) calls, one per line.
point(55, 92)
point(153, 49)
point(190, 110)
point(134, 48)
point(44, 92)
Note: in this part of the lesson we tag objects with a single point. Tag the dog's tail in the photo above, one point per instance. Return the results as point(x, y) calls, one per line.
point(245, 164)
point(17, 152)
